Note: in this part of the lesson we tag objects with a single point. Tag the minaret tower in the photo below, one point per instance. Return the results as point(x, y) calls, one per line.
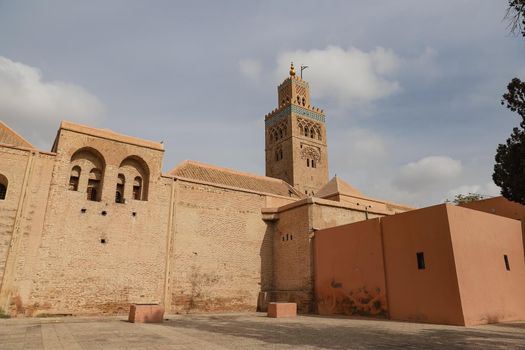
point(296, 150)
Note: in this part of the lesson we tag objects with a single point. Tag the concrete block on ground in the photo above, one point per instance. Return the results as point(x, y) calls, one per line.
point(146, 313)
point(278, 310)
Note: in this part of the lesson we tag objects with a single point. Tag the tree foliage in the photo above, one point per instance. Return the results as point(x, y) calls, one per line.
point(465, 198)
point(509, 170)
point(516, 16)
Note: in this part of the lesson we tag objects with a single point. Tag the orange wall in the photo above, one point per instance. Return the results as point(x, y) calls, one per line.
point(349, 271)
point(429, 295)
point(489, 293)
point(499, 206)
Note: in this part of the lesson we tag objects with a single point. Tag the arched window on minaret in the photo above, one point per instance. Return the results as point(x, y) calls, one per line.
point(312, 133)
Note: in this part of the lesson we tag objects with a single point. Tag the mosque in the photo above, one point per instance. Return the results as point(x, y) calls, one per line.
point(94, 225)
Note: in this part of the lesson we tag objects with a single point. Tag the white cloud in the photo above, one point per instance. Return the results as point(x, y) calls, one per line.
point(351, 77)
point(427, 172)
point(34, 106)
point(358, 146)
point(488, 189)
point(250, 69)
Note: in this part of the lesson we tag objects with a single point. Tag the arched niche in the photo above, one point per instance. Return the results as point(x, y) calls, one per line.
point(137, 171)
point(4, 183)
point(90, 166)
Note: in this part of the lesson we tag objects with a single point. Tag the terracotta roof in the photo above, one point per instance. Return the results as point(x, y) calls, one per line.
point(222, 176)
point(337, 186)
point(10, 137)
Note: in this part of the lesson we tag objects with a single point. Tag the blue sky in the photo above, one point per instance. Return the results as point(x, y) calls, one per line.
point(411, 89)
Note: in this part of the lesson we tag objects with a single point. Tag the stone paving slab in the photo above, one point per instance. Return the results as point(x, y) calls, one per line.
point(251, 331)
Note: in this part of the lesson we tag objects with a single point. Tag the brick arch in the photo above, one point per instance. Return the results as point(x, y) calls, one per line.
point(137, 171)
point(89, 162)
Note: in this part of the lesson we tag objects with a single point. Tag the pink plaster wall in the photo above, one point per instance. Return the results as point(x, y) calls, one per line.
point(428, 295)
point(349, 271)
point(489, 293)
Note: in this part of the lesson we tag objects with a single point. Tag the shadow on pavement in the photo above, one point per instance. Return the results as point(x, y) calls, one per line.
point(383, 335)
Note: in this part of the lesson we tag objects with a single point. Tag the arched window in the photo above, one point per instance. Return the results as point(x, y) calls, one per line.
point(304, 101)
point(313, 163)
point(137, 188)
point(93, 190)
point(74, 178)
point(306, 131)
point(280, 154)
point(119, 193)
point(93, 167)
point(136, 172)
point(3, 187)
point(312, 133)
point(307, 162)
point(280, 133)
point(298, 100)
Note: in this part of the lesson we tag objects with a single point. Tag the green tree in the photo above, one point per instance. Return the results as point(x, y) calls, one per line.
point(465, 198)
point(509, 170)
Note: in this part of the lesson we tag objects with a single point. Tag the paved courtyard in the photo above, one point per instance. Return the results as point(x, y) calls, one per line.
point(251, 331)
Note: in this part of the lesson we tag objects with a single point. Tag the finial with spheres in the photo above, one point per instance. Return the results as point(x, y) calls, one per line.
point(292, 70)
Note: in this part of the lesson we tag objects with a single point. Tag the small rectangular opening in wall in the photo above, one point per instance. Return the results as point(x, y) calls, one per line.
point(420, 260)
point(507, 265)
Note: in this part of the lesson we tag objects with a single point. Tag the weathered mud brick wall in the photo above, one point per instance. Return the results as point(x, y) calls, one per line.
point(292, 277)
point(28, 175)
point(221, 252)
point(99, 256)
